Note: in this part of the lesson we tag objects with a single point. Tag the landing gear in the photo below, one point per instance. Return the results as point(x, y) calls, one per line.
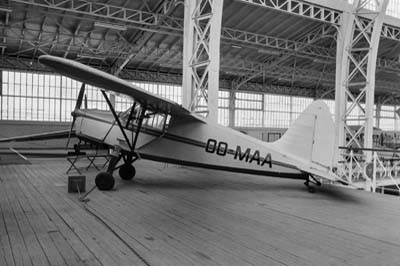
point(311, 179)
point(127, 171)
point(104, 181)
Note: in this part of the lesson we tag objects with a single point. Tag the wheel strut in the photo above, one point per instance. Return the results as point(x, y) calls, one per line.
point(313, 180)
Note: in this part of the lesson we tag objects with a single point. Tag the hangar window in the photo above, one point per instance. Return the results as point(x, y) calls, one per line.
point(277, 111)
point(28, 96)
point(248, 109)
point(223, 107)
point(298, 105)
point(387, 117)
point(48, 97)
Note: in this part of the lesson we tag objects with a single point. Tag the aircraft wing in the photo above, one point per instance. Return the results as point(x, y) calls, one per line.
point(41, 136)
point(115, 85)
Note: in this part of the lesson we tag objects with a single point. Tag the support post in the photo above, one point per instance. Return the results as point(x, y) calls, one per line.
point(355, 85)
point(374, 172)
point(232, 108)
point(201, 56)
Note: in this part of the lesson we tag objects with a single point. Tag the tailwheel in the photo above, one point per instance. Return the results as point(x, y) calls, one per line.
point(309, 188)
point(127, 171)
point(104, 181)
point(312, 179)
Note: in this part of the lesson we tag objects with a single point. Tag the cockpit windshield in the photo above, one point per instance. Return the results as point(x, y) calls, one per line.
point(157, 121)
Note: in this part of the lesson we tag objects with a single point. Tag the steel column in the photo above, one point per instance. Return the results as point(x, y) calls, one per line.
point(355, 87)
point(201, 58)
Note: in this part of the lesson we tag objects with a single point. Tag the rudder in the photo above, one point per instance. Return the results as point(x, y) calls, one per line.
point(311, 136)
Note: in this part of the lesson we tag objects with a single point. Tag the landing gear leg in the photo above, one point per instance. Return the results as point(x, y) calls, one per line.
point(311, 179)
point(105, 180)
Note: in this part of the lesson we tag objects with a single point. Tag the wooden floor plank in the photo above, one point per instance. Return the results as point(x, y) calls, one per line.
point(42, 223)
point(83, 223)
point(58, 225)
point(23, 209)
point(19, 250)
point(183, 216)
point(5, 250)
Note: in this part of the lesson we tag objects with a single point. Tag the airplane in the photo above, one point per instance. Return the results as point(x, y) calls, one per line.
point(157, 129)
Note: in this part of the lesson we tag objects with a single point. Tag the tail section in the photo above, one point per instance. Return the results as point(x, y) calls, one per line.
point(311, 136)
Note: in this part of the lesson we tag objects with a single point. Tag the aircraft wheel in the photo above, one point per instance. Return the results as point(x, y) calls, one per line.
point(104, 181)
point(127, 171)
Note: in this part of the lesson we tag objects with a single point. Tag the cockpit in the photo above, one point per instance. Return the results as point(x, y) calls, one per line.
point(151, 120)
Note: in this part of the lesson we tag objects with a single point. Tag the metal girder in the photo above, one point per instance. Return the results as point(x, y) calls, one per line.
point(28, 64)
point(263, 40)
point(115, 48)
point(320, 13)
point(308, 40)
point(162, 8)
point(60, 46)
point(300, 8)
point(103, 10)
point(228, 34)
point(151, 54)
point(283, 72)
point(356, 88)
point(157, 22)
point(201, 56)
point(4, 32)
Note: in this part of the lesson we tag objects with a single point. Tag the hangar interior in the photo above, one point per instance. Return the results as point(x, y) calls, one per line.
point(251, 65)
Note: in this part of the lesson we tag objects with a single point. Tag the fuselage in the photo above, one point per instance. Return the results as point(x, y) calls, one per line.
point(192, 143)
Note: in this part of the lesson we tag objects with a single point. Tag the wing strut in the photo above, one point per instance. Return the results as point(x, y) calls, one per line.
point(140, 122)
point(117, 119)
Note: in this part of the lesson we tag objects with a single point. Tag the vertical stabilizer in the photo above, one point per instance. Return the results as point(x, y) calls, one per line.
point(311, 136)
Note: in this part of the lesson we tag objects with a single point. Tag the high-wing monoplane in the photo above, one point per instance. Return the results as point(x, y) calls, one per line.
point(155, 128)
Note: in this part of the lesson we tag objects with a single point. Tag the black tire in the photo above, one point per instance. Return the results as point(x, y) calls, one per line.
point(127, 171)
point(104, 181)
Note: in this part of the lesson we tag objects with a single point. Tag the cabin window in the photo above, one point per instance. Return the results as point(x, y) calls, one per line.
point(156, 121)
point(152, 120)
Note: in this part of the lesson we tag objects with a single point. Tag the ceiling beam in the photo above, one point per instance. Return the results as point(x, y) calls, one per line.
point(319, 13)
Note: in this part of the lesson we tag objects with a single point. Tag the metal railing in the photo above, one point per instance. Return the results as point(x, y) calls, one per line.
point(384, 170)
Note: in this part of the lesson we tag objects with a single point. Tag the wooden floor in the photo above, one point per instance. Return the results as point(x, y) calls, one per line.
point(172, 215)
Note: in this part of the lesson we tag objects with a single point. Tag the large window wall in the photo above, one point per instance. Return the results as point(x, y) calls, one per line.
point(248, 109)
point(223, 107)
point(388, 119)
point(48, 97)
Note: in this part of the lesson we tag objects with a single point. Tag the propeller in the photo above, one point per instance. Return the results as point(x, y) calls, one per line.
point(78, 105)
